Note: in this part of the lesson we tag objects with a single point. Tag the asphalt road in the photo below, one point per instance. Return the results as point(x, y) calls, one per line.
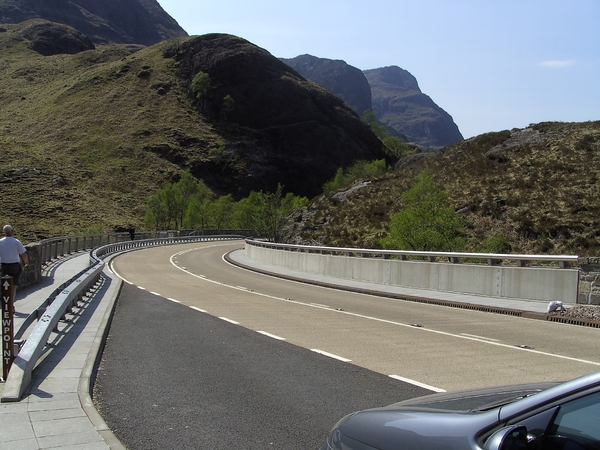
point(175, 378)
point(439, 347)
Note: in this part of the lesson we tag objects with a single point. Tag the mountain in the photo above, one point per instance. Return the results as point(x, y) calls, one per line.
point(87, 137)
point(102, 21)
point(345, 81)
point(391, 92)
point(399, 104)
point(531, 191)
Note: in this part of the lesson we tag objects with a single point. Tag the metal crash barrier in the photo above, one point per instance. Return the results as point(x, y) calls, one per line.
point(56, 306)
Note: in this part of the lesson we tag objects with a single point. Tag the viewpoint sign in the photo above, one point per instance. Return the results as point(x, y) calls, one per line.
point(8, 355)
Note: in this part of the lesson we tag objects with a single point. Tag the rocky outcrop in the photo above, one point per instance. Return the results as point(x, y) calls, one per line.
point(49, 38)
point(339, 78)
point(103, 21)
point(391, 92)
point(285, 129)
point(399, 104)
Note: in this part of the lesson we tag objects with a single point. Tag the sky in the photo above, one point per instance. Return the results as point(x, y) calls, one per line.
point(492, 65)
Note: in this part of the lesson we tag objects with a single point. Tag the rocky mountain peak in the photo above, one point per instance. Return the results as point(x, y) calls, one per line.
point(396, 76)
point(102, 21)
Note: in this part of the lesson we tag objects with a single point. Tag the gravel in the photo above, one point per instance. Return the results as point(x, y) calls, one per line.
point(581, 312)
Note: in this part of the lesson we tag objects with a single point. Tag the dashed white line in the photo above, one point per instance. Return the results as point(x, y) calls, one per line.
point(198, 309)
point(331, 355)
point(155, 293)
point(321, 306)
point(142, 288)
point(229, 320)
point(279, 338)
point(173, 300)
point(417, 383)
point(480, 337)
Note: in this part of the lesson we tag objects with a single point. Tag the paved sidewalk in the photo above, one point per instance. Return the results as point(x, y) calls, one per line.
point(57, 411)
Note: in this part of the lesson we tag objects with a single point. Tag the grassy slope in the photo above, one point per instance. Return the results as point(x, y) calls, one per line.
point(74, 133)
point(542, 196)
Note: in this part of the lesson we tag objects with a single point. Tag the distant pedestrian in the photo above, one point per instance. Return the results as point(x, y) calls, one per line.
point(11, 253)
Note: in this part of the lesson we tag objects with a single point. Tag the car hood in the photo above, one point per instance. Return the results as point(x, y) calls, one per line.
point(472, 400)
point(449, 421)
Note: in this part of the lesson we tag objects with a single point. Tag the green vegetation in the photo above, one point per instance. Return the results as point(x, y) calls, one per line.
point(531, 191)
point(396, 147)
point(189, 204)
point(201, 84)
point(425, 223)
point(360, 169)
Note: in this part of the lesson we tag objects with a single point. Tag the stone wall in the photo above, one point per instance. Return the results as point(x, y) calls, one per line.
point(589, 281)
point(33, 272)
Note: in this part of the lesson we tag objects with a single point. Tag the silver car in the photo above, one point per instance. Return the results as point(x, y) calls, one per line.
point(547, 416)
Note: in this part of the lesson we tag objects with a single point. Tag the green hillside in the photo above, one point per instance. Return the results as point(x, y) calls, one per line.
point(74, 134)
point(86, 138)
point(534, 190)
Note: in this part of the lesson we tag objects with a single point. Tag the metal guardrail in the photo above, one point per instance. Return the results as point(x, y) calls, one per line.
point(57, 305)
point(562, 261)
point(56, 247)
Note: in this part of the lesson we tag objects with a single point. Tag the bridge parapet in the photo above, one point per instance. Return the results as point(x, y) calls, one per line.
point(492, 275)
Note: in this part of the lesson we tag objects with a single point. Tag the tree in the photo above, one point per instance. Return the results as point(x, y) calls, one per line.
point(201, 84)
point(198, 207)
point(222, 212)
point(273, 210)
point(426, 223)
point(396, 146)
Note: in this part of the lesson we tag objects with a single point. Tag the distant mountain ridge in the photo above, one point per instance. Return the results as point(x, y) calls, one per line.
point(399, 104)
point(391, 92)
point(103, 21)
point(343, 80)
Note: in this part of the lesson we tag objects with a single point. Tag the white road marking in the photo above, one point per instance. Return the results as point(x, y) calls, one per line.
point(156, 293)
point(198, 309)
point(229, 320)
point(142, 288)
point(173, 300)
point(279, 338)
point(480, 337)
point(390, 322)
point(417, 383)
point(331, 355)
point(322, 306)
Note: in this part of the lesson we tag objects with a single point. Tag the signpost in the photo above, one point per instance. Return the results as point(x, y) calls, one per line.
point(8, 355)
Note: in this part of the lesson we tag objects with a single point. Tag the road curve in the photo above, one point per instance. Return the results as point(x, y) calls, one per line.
point(441, 347)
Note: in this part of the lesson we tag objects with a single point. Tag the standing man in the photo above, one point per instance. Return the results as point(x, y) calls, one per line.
point(11, 252)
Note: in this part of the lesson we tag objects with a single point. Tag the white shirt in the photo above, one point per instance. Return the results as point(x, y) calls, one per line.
point(10, 249)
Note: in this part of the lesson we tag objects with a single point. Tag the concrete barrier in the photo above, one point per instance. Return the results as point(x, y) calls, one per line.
point(542, 283)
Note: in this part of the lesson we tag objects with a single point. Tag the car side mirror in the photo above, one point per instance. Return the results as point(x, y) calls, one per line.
point(508, 438)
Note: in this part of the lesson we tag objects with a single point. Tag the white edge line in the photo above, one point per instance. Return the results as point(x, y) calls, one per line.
point(198, 309)
point(279, 338)
point(417, 383)
point(173, 300)
point(376, 319)
point(480, 337)
point(331, 355)
point(229, 320)
point(155, 293)
point(142, 288)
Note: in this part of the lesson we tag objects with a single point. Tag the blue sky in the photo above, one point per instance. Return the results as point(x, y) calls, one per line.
point(492, 65)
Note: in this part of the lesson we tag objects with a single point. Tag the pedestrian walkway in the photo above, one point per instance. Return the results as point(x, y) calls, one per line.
point(57, 411)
